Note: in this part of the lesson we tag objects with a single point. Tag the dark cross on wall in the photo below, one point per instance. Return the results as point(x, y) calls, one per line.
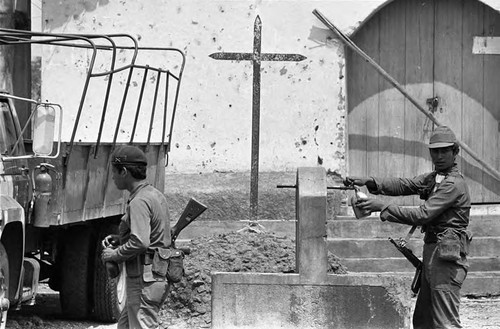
point(256, 57)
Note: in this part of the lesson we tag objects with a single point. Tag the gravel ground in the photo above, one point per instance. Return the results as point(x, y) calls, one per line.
point(189, 303)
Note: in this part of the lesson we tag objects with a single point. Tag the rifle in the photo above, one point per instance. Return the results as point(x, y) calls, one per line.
point(190, 213)
point(401, 246)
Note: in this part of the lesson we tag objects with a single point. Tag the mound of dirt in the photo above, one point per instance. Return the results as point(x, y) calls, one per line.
point(190, 299)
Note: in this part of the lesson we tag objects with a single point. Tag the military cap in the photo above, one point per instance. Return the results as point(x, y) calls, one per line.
point(129, 155)
point(442, 136)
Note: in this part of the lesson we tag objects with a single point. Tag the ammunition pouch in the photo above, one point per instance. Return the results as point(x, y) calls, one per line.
point(169, 263)
point(452, 244)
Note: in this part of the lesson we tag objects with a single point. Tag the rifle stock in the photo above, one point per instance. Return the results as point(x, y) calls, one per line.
point(415, 285)
point(190, 213)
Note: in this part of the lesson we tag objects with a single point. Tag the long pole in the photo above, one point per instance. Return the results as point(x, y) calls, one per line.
point(398, 86)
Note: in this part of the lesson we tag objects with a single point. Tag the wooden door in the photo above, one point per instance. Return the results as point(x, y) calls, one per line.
point(426, 45)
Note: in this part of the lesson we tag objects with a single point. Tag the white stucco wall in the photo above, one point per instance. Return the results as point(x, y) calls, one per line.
point(303, 106)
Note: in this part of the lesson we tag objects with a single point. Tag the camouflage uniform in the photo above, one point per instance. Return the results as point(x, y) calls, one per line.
point(446, 207)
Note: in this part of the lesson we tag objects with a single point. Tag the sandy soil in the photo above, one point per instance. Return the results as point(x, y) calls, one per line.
point(189, 304)
point(482, 313)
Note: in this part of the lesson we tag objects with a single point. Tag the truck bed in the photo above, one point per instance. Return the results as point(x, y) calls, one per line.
point(82, 185)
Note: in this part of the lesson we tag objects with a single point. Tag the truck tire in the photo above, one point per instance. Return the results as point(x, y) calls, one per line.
point(108, 294)
point(75, 280)
point(4, 275)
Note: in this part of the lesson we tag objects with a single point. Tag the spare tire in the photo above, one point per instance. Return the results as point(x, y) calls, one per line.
point(108, 294)
point(75, 281)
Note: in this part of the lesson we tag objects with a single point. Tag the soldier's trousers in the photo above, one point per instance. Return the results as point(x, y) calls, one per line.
point(438, 301)
point(144, 300)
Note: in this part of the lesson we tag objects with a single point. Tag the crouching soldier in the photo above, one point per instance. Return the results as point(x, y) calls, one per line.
point(145, 227)
point(444, 217)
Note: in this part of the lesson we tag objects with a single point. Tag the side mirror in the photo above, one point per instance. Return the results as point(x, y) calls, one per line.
point(44, 128)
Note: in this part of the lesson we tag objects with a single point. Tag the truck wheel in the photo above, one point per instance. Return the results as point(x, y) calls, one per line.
point(108, 294)
point(75, 281)
point(4, 284)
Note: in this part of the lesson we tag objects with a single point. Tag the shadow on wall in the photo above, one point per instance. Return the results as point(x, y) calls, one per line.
point(395, 145)
point(62, 11)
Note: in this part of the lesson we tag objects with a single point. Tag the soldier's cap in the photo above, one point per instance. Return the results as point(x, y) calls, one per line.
point(129, 155)
point(442, 136)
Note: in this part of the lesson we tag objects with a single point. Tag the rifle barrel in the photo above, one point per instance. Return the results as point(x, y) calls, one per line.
point(407, 253)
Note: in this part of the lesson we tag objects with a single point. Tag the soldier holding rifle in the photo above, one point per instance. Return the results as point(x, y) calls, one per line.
point(444, 217)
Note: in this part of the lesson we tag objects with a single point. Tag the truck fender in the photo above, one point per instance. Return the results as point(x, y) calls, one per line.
point(12, 229)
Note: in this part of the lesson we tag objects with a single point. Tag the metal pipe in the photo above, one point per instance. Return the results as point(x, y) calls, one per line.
point(393, 82)
point(153, 108)
point(328, 187)
point(139, 103)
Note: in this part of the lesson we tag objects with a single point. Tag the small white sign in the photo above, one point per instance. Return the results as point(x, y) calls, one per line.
point(486, 45)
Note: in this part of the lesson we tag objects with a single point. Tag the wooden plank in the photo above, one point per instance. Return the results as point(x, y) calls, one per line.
point(76, 179)
point(362, 88)
point(391, 101)
point(96, 178)
point(491, 102)
point(448, 63)
point(419, 83)
point(486, 45)
point(472, 98)
point(356, 117)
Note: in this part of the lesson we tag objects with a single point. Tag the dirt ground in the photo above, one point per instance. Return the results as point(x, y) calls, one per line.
point(189, 303)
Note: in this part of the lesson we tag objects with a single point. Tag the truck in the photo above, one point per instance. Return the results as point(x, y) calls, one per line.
point(58, 200)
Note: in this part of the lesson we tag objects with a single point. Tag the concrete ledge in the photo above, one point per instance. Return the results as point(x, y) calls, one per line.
point(485, 283)
point(263, 300)
point(227, 195)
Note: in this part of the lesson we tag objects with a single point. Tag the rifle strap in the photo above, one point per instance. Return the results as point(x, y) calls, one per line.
point(410, 233)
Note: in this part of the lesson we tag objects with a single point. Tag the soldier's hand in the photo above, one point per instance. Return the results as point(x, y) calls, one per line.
point(359, 181)
point(108, 254)
point(111, 240)
point(370, 204)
